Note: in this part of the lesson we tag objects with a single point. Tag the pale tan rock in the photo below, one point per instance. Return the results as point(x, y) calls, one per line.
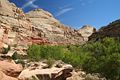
point(94, 77)
point(80, 75)
point(1, 33)
point(38, 24)
point(51, 74)
point(6, 9)
point(39, 71)
point(86, 31)
point(37, 65)
point(15, 28)
point(1, 44)
point(52, 29)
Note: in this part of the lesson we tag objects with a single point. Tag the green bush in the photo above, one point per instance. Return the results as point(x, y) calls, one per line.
point(95, 57)
point(69, 54)
point(105, 58)
point(34, 52)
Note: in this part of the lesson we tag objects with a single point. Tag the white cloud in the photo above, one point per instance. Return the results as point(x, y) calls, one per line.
point(65, 6)
point(30, 3)
point(63, 11)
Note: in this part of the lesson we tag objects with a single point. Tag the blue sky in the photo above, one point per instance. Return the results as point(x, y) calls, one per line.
point(76, 13)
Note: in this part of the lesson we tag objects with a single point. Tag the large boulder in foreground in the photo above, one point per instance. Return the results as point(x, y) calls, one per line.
point(41, 72)
point(10, 68)
point(5, 77)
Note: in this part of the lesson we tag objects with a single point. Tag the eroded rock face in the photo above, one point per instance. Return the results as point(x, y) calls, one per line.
point(20, 28)
point(14, 26)
point(86, 31)
point(46, 26)
point(6, 9)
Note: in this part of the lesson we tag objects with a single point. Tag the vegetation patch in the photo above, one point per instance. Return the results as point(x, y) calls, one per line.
point(94, 57)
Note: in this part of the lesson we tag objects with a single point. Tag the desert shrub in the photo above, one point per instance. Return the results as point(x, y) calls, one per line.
point(50, 62)
point(34, 52)
point(105, 58)
point(71, 54)
point(95, 57)
point(38, 52)
point(17, 56)
point(75, 55)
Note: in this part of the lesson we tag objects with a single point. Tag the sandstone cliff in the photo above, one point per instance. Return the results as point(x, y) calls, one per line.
point(14, 26)
point(46, 26)
point(37, 26)
point(86, 31)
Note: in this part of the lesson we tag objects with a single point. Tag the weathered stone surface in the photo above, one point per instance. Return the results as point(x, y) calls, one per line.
point(94, 77)
point(10, 68)
point(77, 76)
point(15, 28)
point(14, 31)
point(37, 65)
point(81, 75)
point(48, 27)
point(45, 73)
point(6, 8)
point(5, 77)
point(37, 27)
point(86, 31)
point(40, 71)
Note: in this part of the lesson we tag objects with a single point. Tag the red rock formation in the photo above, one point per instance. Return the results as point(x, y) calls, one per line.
point(10, 68)
point(5, 77)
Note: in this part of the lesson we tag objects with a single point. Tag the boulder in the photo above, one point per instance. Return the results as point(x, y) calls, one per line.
point(40, 71)
point(5, 77)
point(45, 74)
point(37, 65)
point(10, 68)
point(94, 77)
point(79, 75)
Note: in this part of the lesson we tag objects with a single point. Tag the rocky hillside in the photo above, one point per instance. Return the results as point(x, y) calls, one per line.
point(37, 26)
point(19, 29)
point(46, 26)
point(15, 28)
point(111, 30)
